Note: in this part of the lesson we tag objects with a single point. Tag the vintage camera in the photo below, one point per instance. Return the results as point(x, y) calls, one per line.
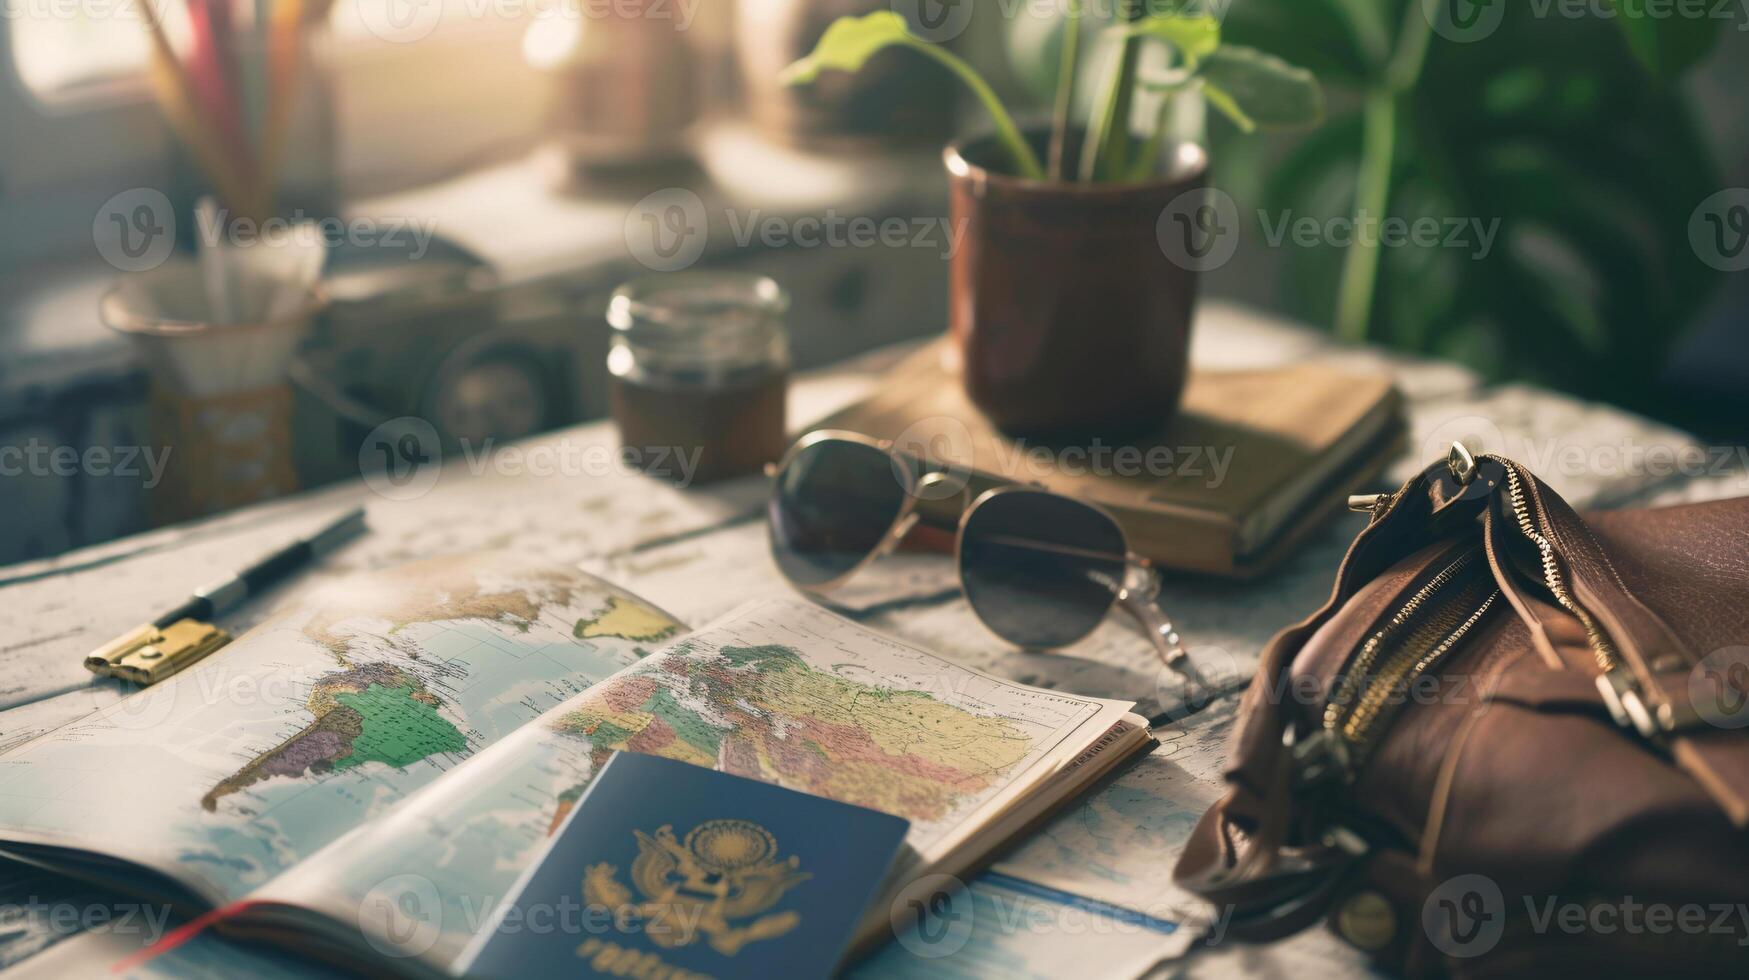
point(442, 340)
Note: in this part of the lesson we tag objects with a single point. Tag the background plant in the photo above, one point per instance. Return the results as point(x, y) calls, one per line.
point(1572, 131)
point(1569, 131)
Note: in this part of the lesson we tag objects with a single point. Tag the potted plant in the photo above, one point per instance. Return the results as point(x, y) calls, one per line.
point(1069, 301)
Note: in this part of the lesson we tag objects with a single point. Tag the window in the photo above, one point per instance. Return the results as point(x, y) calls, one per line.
point(64, 48)
point(68, 51)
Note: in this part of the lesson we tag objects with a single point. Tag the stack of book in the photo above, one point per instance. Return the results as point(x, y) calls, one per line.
point(1251, 466)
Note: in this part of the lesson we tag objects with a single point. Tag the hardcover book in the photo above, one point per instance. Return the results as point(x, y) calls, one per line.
point(1251, 465)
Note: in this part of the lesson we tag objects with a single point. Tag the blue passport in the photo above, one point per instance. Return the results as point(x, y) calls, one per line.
point(665, 869)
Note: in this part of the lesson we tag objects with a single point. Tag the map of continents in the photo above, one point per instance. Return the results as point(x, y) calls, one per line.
point(380, 711)
point(764, 712)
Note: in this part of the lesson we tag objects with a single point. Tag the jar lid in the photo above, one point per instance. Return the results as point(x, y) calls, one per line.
point(700, 318)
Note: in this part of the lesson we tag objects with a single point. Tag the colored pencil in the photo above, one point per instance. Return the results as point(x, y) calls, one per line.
point(212, 67)
point(176, 95)
point(284, 61)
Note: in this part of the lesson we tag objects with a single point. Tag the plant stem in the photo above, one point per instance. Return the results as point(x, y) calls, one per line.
point(1406, 62)
point(1025, 160)
point(1117, 137)
point(1149, 158)
point(1095, 146)
point(1367, 24)
point(1372, 195)
point(1150, 155)
point(1108, 134)
point(1357, 290)
point(1067, 64)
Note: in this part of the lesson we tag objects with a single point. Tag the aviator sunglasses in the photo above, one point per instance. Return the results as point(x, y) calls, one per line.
point(1039, 569)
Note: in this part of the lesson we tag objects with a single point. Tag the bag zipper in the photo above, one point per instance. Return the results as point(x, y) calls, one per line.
point(1430, 624)
point(1602, 648)
point(1379, 674)
point(1414, 640)
point(1618, 685)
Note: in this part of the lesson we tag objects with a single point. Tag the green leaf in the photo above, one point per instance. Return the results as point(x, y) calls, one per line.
point(1229, 107)
point(851, 41)
point(1260, 91)
point(1669, 45)
point(1193, 37)
point(848, 44)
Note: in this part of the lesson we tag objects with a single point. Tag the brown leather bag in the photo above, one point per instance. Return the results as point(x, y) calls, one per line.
point(1505, 744)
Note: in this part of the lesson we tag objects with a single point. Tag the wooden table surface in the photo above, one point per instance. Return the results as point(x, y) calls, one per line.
point(701, 552)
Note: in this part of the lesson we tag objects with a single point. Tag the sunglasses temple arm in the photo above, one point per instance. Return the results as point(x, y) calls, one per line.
point(1147, 612)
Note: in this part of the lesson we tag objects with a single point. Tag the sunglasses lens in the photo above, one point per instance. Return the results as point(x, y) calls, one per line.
point(1041, 570)
point(833, 504)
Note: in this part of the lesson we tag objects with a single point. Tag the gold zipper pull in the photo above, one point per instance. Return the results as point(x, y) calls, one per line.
point(1365, 503)
point(1374, 505)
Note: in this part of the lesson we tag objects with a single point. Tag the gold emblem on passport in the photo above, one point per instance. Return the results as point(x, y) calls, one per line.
point(724, 873)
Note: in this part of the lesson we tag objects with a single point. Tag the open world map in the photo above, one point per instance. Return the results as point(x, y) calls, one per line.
point(763, 712)
point(324, 716)
point(781, 691)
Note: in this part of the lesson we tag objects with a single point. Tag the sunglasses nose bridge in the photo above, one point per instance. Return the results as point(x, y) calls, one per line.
point(931, 481)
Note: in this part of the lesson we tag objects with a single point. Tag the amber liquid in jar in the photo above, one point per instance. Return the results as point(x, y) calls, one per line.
point(707, 433)
point(699, 375)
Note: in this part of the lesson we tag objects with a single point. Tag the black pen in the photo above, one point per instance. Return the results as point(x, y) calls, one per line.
point(155, 650)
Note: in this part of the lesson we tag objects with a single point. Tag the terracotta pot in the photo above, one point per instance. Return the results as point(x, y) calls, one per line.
point(1069, 315)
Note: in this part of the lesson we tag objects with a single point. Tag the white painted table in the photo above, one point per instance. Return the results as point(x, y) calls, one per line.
point(701, 552)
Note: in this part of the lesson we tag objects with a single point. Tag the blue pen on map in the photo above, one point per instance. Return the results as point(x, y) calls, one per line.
point(153, 651)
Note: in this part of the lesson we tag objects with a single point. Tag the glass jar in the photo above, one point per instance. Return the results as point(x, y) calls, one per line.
point(699, 374)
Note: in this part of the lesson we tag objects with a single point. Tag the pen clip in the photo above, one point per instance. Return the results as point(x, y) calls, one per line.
point(147, 654)
point(103, 659)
